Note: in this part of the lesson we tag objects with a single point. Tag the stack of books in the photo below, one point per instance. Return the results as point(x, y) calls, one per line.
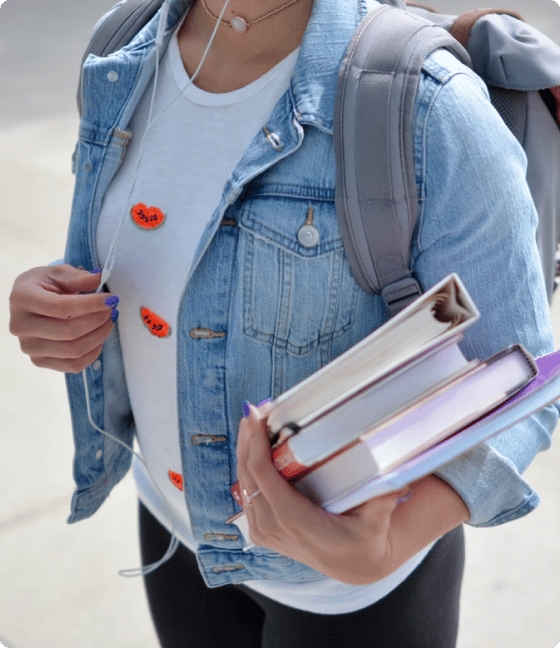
point(401, 403)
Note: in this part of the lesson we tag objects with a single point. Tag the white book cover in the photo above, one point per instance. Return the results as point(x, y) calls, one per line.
point(430, 321)
point(340, 426)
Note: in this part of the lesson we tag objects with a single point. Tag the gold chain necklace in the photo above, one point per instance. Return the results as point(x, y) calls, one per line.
point(239, 24)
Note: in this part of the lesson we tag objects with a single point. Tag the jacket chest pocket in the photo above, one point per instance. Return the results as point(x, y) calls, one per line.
point(298, 290)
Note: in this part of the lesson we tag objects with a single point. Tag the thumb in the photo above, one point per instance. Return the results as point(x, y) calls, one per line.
point(67, 279)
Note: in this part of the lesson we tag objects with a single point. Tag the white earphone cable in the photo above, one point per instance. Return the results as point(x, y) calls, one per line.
point(108, 267)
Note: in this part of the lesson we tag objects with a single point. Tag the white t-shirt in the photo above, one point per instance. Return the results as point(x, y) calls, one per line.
point(199, 138)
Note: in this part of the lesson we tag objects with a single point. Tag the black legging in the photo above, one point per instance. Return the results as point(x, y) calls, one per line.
point(422, 612)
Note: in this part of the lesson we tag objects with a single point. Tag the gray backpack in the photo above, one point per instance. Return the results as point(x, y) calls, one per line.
point(376, 203)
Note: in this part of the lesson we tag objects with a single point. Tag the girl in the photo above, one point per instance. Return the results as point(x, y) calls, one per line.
point(192, 185)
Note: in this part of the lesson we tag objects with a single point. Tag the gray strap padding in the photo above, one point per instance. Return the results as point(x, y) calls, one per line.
point(376, 188)
point(117, 29)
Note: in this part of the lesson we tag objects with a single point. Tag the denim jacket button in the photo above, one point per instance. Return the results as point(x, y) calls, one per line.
point(112, 76)
point(99, 454)
point(308, 236)
point(97, 365)
point(220, 536)
point(227, 568)
point(273, 139)
point(208, 334)
point(207, 439)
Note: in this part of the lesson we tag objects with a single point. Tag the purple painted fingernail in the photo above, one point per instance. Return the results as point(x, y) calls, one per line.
point(114, 315)
point(265, 401)
point(95, 271)
point(112, 301)
point(246, 408)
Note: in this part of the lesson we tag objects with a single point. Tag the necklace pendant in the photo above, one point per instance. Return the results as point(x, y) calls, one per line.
point(239, 24)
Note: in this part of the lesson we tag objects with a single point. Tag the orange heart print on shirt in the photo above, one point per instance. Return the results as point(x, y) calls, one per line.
point(176, 479)
point(154, 323)
point(147, 218)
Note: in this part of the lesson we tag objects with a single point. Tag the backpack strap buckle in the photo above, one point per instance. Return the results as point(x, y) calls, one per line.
point(401, 293)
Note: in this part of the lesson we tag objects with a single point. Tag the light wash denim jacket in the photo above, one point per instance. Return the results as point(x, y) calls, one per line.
point(283, 310)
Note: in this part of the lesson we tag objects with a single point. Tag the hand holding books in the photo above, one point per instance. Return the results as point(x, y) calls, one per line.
point(361, 546)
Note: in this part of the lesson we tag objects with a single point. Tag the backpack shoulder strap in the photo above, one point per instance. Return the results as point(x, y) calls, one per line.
point(117, 28)
point(376, 182)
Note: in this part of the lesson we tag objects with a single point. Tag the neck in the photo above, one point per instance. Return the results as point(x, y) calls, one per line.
point(275, 36)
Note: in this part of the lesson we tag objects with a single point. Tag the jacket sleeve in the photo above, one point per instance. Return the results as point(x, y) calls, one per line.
point(477, 218)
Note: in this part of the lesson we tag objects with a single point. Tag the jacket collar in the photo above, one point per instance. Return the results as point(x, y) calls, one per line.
point(328, 33)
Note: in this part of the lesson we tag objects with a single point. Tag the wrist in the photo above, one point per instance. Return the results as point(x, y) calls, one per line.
point(432, 510)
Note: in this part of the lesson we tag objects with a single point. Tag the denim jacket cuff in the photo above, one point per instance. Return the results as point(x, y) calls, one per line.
point(490, 485)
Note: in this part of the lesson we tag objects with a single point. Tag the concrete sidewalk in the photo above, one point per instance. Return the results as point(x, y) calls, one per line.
point(59, 585)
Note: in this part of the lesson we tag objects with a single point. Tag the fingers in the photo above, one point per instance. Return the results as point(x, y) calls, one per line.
point(75, 280)
point(61, 330)
point(56, 292)
point(74, 341)
point(65, 365)
point(264, 408)
point(250, 427)
point(246, 481)
point(61, 324)
point(278, 509)
point(251, 492)
point(68, 346)
point(255, 466)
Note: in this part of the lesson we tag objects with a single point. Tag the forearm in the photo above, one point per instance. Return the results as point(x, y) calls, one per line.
point(432, 510)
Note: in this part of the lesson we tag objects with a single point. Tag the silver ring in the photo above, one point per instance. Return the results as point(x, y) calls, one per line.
point(248, 497)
